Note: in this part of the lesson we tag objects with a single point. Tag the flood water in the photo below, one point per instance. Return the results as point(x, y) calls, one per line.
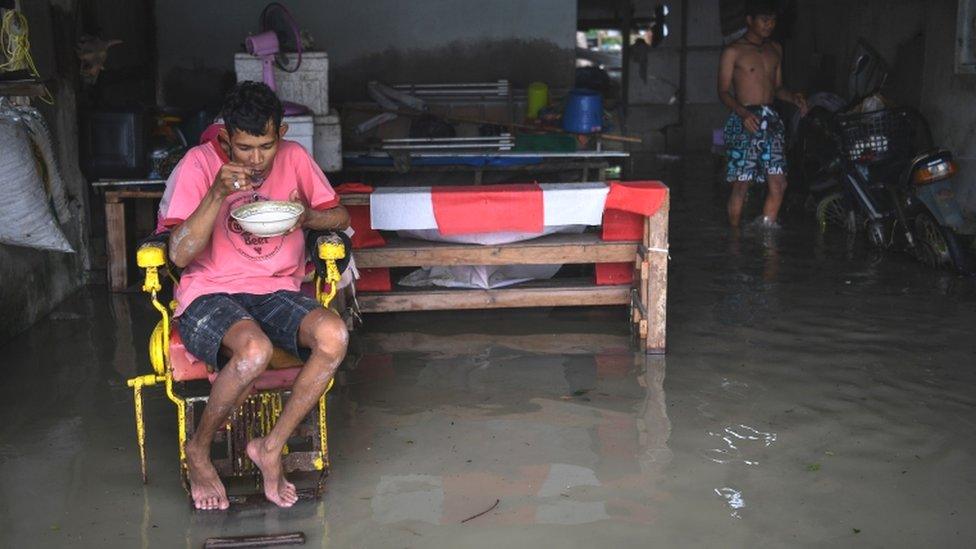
point(814, 393)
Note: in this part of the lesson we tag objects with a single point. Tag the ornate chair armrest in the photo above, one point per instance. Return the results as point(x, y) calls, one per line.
point(328, 245)
point(330, 252)
point(151, 255)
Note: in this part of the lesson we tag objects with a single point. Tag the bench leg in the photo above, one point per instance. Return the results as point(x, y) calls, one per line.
point(656, 237)
point(650, 298)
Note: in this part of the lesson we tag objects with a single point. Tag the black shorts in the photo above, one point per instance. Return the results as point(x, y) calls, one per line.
point(205, 322)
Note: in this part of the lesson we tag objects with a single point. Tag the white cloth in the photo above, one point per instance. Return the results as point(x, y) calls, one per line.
point(401, 208)
point(567, 208)
point(573, 203)
point(411, 208)
point(488, 239)
point(484, 277)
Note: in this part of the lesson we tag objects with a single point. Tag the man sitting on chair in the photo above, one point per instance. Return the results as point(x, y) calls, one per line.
point(238, 296)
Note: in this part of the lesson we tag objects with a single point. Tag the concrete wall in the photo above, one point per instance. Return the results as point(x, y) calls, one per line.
point(831, 29)
point(821, 38)
point(948, 99)
point(33, 282)
point(651, 105)
point(917, 39)
point(703, 111)
point(390, 40)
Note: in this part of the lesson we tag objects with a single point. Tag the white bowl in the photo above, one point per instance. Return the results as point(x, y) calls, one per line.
point(268, 218)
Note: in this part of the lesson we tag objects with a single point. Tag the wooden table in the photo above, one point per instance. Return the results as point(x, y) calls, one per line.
point(118, 270)
point(587, 162)
point(587, 168)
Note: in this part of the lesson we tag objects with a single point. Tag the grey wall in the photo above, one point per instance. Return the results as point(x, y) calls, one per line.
point(651, 106)
point(823, 36)
point(652, 91)
point(917, 39)
point(948, 99)
point(832, 28)
point(33, 282)
point(704, 112)
point(391, 40)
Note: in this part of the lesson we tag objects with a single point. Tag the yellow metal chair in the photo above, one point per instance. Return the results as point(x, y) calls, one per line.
point(186, 382)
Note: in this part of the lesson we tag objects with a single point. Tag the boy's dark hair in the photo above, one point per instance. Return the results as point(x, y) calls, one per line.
point(761, 7)
point(249, 106)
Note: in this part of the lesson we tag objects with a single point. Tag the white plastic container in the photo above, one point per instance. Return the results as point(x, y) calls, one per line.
point(308, 86)
point(302, 130)
point(328, 142)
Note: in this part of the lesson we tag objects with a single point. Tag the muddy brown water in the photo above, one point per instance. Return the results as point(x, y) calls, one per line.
point(814, 393)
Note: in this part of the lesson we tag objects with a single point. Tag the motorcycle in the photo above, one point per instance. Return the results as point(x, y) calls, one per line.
point(874, 167)
point(815, 150)
point(902, 197)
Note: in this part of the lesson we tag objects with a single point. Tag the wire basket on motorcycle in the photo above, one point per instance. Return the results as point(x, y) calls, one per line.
point(873, 137)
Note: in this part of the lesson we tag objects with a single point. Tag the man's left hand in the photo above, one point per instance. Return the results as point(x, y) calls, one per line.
point(801, 101)
point(295, 196)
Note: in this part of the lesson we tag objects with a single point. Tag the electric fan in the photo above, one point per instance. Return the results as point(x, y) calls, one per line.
point(279, 34)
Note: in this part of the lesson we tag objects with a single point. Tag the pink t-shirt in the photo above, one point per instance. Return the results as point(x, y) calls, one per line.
point(236, 261)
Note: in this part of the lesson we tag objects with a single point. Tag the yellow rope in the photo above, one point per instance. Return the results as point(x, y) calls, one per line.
point(15, 45)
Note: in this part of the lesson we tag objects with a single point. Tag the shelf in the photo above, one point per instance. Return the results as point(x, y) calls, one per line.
point(22, 88)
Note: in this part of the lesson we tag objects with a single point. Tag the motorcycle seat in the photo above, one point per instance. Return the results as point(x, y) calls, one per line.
point(889, 170)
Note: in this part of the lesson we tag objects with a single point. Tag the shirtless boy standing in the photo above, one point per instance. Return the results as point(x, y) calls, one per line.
point(754, 132)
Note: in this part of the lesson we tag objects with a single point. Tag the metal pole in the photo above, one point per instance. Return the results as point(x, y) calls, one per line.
point(625, 54)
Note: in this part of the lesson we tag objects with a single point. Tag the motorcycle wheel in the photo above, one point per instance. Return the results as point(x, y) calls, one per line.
point(832, 212)
point(877, 235)
point(935, 246)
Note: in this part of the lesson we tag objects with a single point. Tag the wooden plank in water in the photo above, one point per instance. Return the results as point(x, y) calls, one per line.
point(545, 250)
point(258, 540)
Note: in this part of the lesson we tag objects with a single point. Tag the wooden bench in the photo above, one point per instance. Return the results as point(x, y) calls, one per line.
point(646, 297)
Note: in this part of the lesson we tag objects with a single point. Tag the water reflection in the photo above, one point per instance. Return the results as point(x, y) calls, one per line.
point(560, 428)
point(736, 444)
point(125, 344)
point(733, 499)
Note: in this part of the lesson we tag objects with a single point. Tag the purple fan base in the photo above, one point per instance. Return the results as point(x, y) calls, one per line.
point(294, 109)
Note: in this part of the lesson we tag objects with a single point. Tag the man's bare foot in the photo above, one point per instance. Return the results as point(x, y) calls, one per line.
point(276, 487)
point(205, 487)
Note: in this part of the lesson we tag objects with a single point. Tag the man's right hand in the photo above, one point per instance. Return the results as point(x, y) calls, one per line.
point(190, 237)
point(750, 120)
point(232, 178)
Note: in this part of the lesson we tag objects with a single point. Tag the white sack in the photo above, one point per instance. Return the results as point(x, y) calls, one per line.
point(25, 217)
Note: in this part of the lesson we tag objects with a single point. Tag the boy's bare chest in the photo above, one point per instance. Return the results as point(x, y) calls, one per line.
point(757, 63)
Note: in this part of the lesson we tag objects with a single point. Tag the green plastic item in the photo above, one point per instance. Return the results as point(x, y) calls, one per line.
point(548, 142)
point(538, 94)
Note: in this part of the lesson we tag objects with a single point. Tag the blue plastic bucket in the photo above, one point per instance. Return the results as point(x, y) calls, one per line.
point(584, 111)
